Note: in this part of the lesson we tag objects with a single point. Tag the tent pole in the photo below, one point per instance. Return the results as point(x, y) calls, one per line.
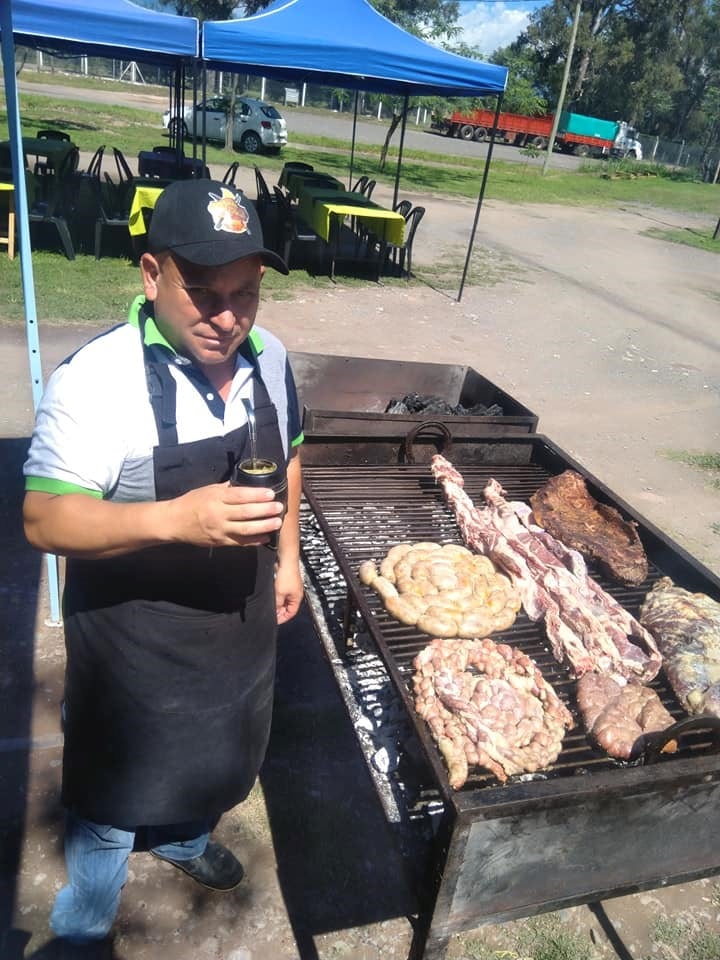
point(177, 139)
point(179, 111)
point(480, 197)
point(352, 147)
point(177, 102)
point(400, 151)
point(26, 265)
point(204, 100)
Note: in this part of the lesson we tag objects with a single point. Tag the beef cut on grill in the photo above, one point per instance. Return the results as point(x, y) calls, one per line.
point(687, 628)
point(565, 508)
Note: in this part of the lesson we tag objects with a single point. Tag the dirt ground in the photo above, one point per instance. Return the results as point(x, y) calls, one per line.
point(607, 334)
point(610, 337)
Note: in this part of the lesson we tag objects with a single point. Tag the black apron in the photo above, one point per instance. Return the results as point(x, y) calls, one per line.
point(171, 650)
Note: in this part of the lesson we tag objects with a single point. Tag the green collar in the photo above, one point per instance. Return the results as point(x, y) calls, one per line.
point(154, 336)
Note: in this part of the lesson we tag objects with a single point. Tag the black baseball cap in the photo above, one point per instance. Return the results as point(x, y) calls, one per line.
point(209, 224)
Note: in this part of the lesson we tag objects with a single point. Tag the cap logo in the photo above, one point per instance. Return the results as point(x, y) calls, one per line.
point(227, 213)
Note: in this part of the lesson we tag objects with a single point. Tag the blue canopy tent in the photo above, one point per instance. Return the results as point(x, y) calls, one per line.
point(346, 44)
point(350, 45)
point(109, 28)
point(104, 28)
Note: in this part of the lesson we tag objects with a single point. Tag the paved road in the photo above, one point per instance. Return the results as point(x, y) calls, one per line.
point(321, 123)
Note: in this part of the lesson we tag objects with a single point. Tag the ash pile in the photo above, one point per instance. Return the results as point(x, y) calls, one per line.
point(418, 403)
point(411, 801)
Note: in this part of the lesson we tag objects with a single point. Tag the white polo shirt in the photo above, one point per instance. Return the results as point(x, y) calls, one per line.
point(95, 430)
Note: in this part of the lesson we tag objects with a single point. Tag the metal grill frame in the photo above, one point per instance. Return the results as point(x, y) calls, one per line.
point(530, 846)
point(345, 394)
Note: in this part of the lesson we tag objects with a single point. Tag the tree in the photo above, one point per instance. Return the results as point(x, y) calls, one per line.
point(651, 62)
point(425, 18)
point(203, 9)
point(430, 19)
point(521, 94)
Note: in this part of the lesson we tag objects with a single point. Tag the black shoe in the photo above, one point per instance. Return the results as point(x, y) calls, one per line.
point(59, 949)
point(217, 868)
point(101, 950)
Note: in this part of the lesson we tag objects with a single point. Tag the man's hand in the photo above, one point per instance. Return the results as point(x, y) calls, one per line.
point(77, 525)
point(223, 516)
point(288, 578)
point(288, 591)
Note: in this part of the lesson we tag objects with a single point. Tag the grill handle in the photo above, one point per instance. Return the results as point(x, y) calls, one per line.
point(654, 742)
point(412, 435)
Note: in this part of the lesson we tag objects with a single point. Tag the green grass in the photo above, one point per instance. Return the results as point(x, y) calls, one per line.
point(98, 292)
point(709, 463)
point(547, 938)
point(679, 939)
point(539, 938)
point(84, 291)
point(89, 291)
point(688, 236)
point(133, 129)
point(30, 75)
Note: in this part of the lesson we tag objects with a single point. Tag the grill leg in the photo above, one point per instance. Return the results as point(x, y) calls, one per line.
point(424, 946)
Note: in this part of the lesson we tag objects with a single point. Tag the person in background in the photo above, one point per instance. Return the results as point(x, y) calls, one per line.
point(175, 579)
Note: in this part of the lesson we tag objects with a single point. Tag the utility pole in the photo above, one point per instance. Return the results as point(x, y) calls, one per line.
point(563, 87)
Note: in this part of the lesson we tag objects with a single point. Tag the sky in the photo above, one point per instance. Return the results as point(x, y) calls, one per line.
point(494, 24)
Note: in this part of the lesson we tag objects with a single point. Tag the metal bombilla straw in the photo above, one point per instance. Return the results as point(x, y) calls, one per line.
point(252, 429)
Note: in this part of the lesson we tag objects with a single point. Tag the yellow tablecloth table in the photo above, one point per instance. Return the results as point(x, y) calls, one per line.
point(144, 198)
point(9, 238)
point(318, 205)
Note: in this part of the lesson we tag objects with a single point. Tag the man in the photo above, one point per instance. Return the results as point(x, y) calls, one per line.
point(173, 590)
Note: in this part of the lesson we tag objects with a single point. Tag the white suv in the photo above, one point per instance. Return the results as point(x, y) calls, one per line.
point(257, 125)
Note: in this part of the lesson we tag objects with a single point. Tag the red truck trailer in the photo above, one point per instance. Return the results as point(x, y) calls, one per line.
point(576, 133)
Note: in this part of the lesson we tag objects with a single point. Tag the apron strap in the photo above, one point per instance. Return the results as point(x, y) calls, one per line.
point(162, 392)
point(260, 391)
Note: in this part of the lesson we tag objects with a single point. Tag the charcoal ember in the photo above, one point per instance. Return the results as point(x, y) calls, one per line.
point(480, 410)
point(418, 403)
point(409, 795)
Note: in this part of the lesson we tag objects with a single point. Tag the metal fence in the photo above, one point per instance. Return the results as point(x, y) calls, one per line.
point(692, 157)
point(100, 68)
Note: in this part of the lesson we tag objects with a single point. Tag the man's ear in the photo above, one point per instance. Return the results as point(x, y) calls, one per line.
point(150, 271)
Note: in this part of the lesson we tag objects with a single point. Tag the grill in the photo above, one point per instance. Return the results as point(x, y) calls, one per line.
point(588, 827)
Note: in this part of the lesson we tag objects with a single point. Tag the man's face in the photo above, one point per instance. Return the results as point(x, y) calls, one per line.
point(204, 312)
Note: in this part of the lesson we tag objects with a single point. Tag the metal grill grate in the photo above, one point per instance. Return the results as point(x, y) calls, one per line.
point(365, 510)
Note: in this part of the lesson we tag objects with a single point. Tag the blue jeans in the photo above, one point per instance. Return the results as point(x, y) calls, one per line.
point(96, 857)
